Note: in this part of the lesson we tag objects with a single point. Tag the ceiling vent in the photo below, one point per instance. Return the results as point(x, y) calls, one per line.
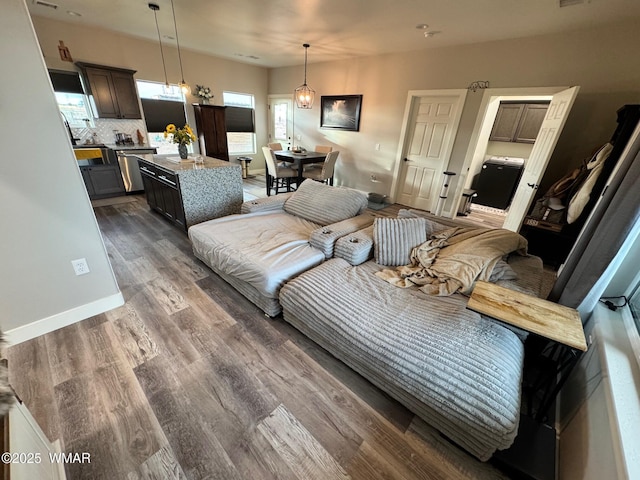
point(42, 3)
point(568, 3)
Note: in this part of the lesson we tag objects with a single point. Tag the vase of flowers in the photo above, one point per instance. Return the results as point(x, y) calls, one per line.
point(182, 136)
point(204, 94)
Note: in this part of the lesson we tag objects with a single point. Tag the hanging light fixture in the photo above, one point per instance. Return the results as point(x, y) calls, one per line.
point(304, 94)
point(183, 85)
point(155, 9)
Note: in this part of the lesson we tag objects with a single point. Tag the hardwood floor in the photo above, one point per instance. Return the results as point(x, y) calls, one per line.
point(188, 380)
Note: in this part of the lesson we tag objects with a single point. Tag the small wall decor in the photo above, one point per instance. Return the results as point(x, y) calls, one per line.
point(478, 85)
point(340, 112)
point(65, 54)
point(204, 94)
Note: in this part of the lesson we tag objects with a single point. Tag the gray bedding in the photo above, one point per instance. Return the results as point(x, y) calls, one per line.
point(459, 371)
point(263, 249)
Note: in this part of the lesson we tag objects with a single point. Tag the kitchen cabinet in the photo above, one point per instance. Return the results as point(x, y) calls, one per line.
point(518, 122)
point(187, 194)
point(102, 181)
point(162, 189)
point(113, 90)
point(212, 131)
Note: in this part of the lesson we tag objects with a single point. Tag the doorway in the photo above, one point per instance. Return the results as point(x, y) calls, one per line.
point(561, 100)
point(428, 132)
point(281, 120)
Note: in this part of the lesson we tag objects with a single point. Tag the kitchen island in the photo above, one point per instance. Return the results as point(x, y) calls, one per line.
point(188, 193)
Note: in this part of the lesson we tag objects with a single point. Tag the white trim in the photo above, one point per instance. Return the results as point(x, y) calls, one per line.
point(622, 384)
point(411, 95)
point(482, 129)
point(60, 320)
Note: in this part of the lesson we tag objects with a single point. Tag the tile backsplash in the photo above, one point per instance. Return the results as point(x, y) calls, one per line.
point(105, 130)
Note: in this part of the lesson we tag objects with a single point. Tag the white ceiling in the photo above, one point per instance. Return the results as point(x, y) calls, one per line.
point(274, 30)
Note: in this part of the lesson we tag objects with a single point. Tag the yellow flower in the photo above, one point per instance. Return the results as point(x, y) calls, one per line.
point(183, 136)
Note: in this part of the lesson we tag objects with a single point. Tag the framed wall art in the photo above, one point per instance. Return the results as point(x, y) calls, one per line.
point(341, 112)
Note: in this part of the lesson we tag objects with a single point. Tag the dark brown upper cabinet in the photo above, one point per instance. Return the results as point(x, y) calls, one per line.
point(518, 122)
point(113, 90)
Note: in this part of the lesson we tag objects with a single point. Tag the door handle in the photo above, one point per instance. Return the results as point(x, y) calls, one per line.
point(407, 160)
point(533, 185)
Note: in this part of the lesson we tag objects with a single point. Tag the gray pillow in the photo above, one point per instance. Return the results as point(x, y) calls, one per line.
point(431, 225)
point(323, 204)
point(394, 238)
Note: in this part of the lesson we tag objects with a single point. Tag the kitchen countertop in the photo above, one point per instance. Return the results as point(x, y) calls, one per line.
point(134, 147)
point(209, 162)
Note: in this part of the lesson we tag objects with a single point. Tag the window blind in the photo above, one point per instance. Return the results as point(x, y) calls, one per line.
point(66, 82)
point(159, 113)
point(239, 119)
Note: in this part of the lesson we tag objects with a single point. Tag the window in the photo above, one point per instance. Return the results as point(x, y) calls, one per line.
point(72, 101)
point(162, 107)
point(239, 117)
point(75, 109)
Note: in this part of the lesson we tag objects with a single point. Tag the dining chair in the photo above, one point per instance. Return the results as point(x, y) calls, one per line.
point(324, 174)
point(320, 149)
point(277, 147)
point(277, 177)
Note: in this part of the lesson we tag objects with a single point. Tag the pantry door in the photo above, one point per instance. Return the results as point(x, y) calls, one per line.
point(431, 123)
point(536, 165)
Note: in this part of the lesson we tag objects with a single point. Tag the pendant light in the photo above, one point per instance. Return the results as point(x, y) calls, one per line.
point(183, 85)
point(304, 94)
point(155, 9)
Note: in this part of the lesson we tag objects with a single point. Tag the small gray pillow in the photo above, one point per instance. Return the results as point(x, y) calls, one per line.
point(394, 238)
point(431, 225)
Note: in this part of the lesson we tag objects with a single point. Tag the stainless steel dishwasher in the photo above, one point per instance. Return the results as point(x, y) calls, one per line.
point(129, 167)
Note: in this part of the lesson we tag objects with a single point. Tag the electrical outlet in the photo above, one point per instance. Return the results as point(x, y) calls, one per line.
point(377, 146)
point(298, 137)
point(374, 178)
point(80, 266)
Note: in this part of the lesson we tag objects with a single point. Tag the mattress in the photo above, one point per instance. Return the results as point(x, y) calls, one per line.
point(457, 370)
point(263, 249)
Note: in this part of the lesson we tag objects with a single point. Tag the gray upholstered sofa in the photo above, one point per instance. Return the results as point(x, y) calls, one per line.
point(275, 239)
point(459, 371)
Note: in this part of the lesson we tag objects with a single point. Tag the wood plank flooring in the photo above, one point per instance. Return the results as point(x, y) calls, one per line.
point(188, 380)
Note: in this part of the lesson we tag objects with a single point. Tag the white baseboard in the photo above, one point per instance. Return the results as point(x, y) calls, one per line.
point(60, 320)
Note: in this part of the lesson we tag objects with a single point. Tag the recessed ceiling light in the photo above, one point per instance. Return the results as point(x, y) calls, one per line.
point(73, 14)
point(422, 26)
point(431, 33)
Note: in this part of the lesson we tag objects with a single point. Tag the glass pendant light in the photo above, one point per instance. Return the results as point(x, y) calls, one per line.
point(304, 94)
point(183, 85)
point(155, 8)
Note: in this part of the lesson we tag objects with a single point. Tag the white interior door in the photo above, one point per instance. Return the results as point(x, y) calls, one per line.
point(431, 131)
point(280, 120)
point(550, 130)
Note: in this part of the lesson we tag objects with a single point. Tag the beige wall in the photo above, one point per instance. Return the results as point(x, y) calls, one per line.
point(601, 60)
point(94, 45)
point(47, 219)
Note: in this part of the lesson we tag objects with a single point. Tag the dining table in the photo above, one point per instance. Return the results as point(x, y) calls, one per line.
point(300, 159)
